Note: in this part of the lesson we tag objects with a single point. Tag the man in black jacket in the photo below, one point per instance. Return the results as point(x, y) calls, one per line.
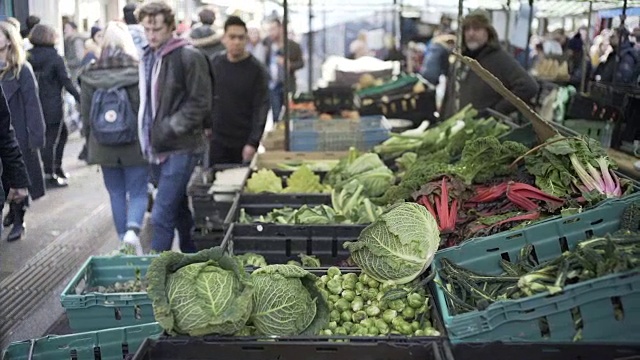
point(241, 101)
point(11, 162)
point(175, 105)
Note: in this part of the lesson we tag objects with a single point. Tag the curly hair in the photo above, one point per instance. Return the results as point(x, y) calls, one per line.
point(155, 8)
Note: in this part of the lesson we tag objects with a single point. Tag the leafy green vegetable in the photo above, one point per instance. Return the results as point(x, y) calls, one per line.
point(405, 162)
point(370, 172)
point(264, 180)
point(485, 158)
point(309, 261)
point(251, 259)
point(303, 181)
point(287, 302)
point(199, 294)
point(399, 246)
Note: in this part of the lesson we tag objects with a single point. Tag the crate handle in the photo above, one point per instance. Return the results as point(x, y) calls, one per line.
point(32, 345)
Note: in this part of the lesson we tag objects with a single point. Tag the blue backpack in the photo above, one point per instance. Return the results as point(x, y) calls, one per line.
point(113, 121)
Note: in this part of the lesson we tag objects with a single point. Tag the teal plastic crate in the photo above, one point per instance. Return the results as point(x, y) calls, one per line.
point(111, 344)
point(96, 311)
point(521, 320)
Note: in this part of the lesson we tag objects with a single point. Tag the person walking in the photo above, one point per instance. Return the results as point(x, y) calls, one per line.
point(255, 45)
point(73, 49)
point(175, 109)
point(114, 75)
point(21, 93)
point(52, 77)
point(241, 98)
point(274, 60)
point(204, 37)
point(480, 42)
point(12, 167)
point(136, 30)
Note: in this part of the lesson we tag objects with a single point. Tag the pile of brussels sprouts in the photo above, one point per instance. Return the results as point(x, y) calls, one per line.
point(358, 307)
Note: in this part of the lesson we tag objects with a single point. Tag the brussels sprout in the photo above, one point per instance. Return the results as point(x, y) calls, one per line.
point(397, 322)
point(330, 305)
point(351, 277)
point(373, 331)
point(397, 305)
point(389, 315)
point(395, 332)
point(357, 304)
point(384, 330)
point(354, 328)
point(334, 286)
point(364, 278)
point(422, 309)
point(427, 324)
point(366, 295)
point(333, 271)
point(333, 298)
point(367, 323)
point(340, 331)
point(324, 279)
point(431, 332)
point(347, 315)
point(362, 331)
point(326, 332)
point(418, 333)
point(408, 313)
point(386, 287)
point(348, 285)
point(360, 288)
point(415, 300)
point(372, 311)
point(348, 295)
point(415, 325)
point(358, 316)
point(332, 325)
point(347, 325)
point(342, 305)
point(334, 315)
point(405, 329)
point(373, 284)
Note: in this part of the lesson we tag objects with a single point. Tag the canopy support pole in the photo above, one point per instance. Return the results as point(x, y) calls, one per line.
point(527, 51)
point(585, 51)
point(458, 65)
point(310, 47)
point(285, 30)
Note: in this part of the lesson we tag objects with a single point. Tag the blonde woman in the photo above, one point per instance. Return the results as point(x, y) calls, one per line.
point(21, 92)
point(124, 170)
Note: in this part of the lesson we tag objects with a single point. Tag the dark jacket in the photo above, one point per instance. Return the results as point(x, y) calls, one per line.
point(435, 63)
point(181, 93)
point(52, 76)
point(475, 91)
point(296, 62)
point(626, 68)
point(119, 72)
point(241, 101)
point(205, 38)
point(12, 168)
point(28, 122)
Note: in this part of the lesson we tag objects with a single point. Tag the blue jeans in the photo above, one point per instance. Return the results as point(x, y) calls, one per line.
point(276, 96)
point(171, 206)
point(123, 181)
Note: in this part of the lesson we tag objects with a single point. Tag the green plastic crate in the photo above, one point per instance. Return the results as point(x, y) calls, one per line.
point(111, 344)
point(599, 130)
point(520, 320)
point(96, 311)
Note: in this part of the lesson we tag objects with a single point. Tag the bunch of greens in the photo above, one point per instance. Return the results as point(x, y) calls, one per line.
point(301, 181)
point(366, 169)
point(399, 246)
point(593, 258)
point(199, 294)
point(287, 302)
point(314, 165)
point(359, 307)
point(482, 160)
point(257, 260)
point(566, 167)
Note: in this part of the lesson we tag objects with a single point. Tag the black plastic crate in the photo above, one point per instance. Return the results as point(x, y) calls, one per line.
point(539, 351)
point(205, 238)
point(290, 349)
point(262, 204)
point(279, 244)
point(334, 99)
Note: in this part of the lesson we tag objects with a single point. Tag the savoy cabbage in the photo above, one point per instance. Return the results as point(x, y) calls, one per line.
point(287, 302)
point(399, 246)
point(199, 294)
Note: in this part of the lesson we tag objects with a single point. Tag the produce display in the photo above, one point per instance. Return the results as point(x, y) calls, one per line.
point(366, 169)
point(303, 180)
point(360, 306)
point(349, 206)
point(138, 284)
point(257, 260)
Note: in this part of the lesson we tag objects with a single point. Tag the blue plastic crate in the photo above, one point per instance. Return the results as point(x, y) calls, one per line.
point(111, 344)
point(521, 320)
point(97, 311)
point(370, 131)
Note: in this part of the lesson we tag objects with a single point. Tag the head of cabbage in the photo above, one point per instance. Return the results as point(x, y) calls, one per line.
point(199, 294)
point(399, 246)
point(287, 301)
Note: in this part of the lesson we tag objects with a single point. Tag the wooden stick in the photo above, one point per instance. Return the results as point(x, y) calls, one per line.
point(543, 129)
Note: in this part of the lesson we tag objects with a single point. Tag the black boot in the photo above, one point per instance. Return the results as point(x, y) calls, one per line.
point(18, 229)
point(8, 220)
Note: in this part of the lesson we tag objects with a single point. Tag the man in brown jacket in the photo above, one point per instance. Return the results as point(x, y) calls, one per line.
point(274, 60)
point(481, 43)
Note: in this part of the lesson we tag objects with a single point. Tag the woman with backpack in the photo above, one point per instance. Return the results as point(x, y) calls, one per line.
point(52, 76)
point(109, 107)
point(21, 92)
